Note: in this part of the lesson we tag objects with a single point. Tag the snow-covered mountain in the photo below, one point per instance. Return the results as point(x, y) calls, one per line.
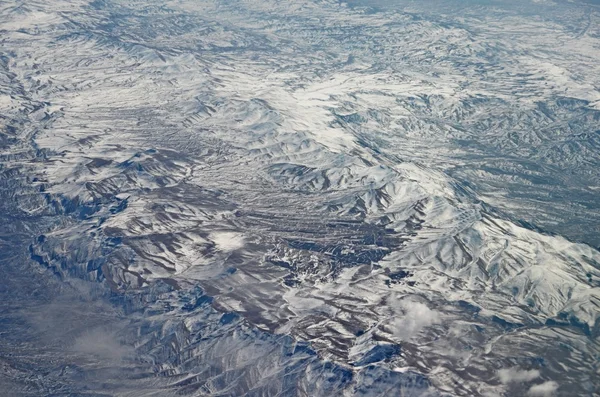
point(300, 197)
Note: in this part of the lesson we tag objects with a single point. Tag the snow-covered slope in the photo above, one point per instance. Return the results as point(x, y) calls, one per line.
point(343, 192)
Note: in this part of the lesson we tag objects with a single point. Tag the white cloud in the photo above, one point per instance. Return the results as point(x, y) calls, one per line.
point(545, 389)
point(227, 241)
point(414, 318)
point(102, 343)
point(509, 375)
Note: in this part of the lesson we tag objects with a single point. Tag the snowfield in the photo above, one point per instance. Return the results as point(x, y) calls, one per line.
point(300, 198)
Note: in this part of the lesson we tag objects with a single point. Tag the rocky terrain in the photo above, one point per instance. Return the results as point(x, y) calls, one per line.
point(299, 198)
